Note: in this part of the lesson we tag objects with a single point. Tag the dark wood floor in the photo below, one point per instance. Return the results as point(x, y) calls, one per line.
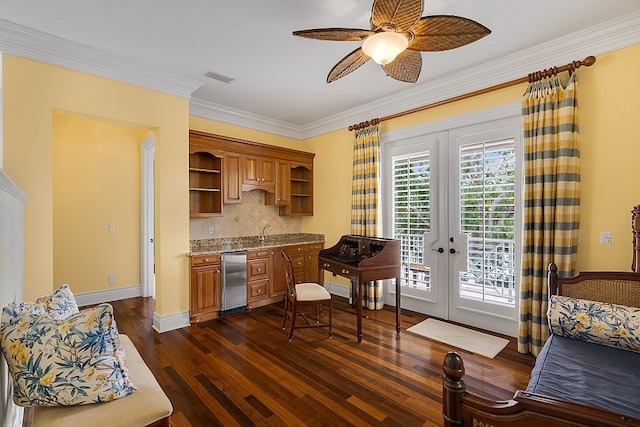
point(242, 371)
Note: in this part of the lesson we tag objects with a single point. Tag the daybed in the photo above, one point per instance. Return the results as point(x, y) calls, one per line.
point(585, 375)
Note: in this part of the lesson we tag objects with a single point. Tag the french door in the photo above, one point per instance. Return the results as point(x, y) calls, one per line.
point(453, 202)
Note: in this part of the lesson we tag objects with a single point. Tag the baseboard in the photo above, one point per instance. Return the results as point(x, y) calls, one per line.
point(336, 289)
point(98, 297)
point(170, 322)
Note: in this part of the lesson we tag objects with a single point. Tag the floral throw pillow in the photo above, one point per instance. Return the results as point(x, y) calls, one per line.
point(59, 305)
point(75, 361)
point(609, 324)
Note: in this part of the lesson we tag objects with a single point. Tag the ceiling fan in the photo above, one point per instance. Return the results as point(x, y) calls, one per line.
point(398, 34)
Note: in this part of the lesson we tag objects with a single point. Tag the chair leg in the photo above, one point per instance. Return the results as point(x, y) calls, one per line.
point(330, 318)
point(293, 320)
point(286, 309)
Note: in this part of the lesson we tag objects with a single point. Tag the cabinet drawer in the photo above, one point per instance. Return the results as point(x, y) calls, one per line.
point(257, 269)
point(205, 259)
point(257, 290)
point(298, 262)
point(297, 249)
point(260, 253)
point(315, 247)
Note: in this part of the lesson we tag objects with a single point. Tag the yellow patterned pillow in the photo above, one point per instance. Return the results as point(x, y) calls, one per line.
point(59, 305)
point(609, 324)
point(75, 361)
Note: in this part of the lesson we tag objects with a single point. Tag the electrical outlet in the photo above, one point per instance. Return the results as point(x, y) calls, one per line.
point(112, 279)
point(605, 237)
point(210, 229)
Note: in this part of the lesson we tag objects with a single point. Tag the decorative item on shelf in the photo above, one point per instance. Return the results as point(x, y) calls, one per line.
point(398, 34)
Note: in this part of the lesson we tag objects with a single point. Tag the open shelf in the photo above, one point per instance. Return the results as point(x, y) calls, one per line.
point(205, 184)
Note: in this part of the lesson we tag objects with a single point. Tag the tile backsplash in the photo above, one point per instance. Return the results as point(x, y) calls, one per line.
point(245, 219)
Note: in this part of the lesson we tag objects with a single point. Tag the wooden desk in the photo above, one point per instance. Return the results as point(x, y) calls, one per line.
point(363, 259)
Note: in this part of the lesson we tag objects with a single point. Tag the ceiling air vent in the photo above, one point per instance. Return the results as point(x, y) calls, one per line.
point(217, 76)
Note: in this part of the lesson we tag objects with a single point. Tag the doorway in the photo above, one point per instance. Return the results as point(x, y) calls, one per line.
point(453, 202)
point(147, 216)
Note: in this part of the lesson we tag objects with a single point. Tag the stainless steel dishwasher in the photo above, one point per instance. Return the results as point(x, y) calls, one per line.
point(234, 282)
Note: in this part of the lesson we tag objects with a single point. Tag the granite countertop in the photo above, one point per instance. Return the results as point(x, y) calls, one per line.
point(230, 244)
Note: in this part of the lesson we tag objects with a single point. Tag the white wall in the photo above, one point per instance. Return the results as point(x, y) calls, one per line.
point(11, 279)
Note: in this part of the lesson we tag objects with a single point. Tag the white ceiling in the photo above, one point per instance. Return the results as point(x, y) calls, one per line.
point(279, 80)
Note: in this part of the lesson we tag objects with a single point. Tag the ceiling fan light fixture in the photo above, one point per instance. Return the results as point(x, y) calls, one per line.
point(385, 46)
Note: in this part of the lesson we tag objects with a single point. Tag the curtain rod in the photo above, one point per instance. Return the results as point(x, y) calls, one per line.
point(530, 78)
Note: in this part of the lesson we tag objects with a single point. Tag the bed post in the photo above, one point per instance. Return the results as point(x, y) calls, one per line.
point(552, 279)
point(452, 389)
point(635, 230)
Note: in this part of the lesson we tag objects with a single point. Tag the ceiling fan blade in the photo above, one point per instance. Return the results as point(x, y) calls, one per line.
point(406, 67)
point(348, 64)
point(401, 13)
point(444, 32)
point(335, 34)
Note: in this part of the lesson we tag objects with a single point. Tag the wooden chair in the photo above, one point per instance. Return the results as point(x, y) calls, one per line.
point(300, 295)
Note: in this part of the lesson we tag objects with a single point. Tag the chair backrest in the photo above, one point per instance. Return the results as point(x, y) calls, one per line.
point(289, 275)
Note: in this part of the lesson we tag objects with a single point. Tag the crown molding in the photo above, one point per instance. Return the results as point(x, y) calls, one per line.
point(32, 44)
point(217, 112)
point(597, 40)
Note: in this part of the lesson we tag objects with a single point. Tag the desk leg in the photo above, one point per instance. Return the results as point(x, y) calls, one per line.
point(398, 305)
point(358, 297)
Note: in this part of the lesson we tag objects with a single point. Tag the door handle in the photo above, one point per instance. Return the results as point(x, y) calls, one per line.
point(452, 251)
point(440, 250)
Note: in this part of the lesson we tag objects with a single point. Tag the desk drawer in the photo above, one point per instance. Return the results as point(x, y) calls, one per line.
point(340, 270)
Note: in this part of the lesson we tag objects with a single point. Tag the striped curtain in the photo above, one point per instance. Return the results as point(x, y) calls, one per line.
point(551, 199)
point(364, 200)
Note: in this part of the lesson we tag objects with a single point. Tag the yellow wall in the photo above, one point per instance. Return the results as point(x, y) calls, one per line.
point(32, 93)
point(96, 183)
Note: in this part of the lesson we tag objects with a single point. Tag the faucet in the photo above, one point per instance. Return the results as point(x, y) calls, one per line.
point(262, 236)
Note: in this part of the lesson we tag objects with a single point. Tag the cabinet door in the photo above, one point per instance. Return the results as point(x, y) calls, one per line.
point(205, 292)
point(311, 261)
point(283, 183)
point(278, 280)
point(267, 171)
point(250, 170)
point(232, 178)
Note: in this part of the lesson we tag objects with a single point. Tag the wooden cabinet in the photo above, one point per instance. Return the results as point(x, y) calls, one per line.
point(258, 272)
point(266, 283)
point(311, 261)
point(205, 288)
point(304, 258)
point(232, 178)
point(301, 190)
point(205, 183)
point(259, 173)
point(221, 168)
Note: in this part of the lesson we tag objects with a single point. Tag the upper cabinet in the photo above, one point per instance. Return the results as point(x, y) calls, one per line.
point(301, 185)
point(259, 173)
point(221, 168)
point(205, 183)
